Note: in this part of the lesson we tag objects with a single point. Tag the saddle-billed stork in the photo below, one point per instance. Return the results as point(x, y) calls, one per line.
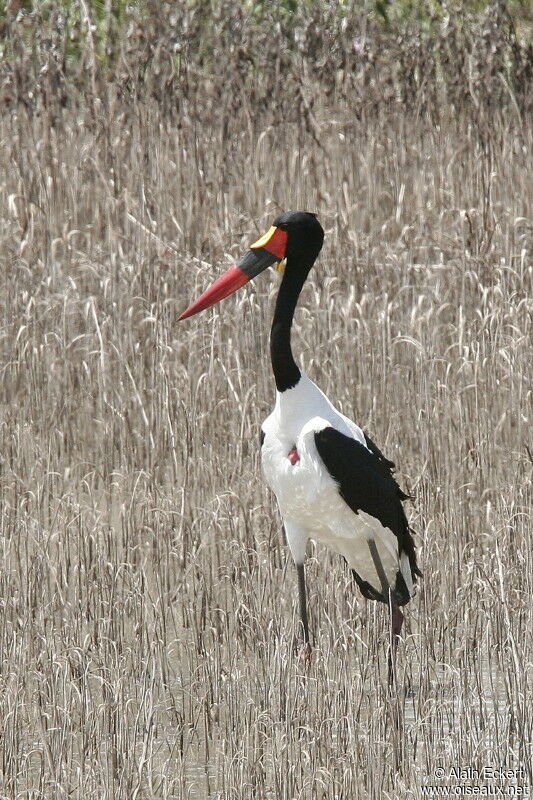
point(331, 481)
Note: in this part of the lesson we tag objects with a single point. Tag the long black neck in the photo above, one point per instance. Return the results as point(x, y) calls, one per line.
point(286, 372)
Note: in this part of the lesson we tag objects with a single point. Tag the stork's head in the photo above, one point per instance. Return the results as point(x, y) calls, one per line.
point(295, 237)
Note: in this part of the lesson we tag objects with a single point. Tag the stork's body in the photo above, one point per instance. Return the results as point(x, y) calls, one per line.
point(331, 482)
point(308, 494)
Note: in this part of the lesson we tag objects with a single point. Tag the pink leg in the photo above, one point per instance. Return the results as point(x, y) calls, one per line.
point(396, 619)
point(306, 652)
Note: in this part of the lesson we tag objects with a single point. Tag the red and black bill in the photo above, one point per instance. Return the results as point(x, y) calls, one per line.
point(268, 250)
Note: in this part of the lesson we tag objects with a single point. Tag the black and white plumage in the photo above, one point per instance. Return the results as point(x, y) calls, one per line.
point(332, 483)
point(366, 485)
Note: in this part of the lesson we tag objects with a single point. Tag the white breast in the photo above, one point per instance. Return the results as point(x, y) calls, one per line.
point(307, 495)
point(297, 406)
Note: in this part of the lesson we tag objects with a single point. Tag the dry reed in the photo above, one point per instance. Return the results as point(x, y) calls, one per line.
point(148, 614)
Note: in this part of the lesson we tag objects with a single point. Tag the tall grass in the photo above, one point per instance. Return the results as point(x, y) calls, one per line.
point(148, 621)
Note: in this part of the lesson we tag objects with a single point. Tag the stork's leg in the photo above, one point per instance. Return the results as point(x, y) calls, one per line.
point(302, 597)
point(385, 588)
point(396, 615)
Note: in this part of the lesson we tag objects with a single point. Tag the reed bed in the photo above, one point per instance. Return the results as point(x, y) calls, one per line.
point(148, 627)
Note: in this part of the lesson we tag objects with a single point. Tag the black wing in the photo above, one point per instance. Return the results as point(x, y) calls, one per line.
point(261, 438)
point(384, 465)
point(366, 484)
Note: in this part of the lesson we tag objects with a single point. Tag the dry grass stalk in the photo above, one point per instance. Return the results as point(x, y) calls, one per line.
point(148, 608)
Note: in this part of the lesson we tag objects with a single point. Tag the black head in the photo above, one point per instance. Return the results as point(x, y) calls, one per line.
point(296, 236)
point(305, 236)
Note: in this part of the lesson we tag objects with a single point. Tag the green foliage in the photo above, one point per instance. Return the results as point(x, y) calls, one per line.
point(414, 54)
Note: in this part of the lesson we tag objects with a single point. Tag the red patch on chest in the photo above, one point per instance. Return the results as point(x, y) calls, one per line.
point(293, 456)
